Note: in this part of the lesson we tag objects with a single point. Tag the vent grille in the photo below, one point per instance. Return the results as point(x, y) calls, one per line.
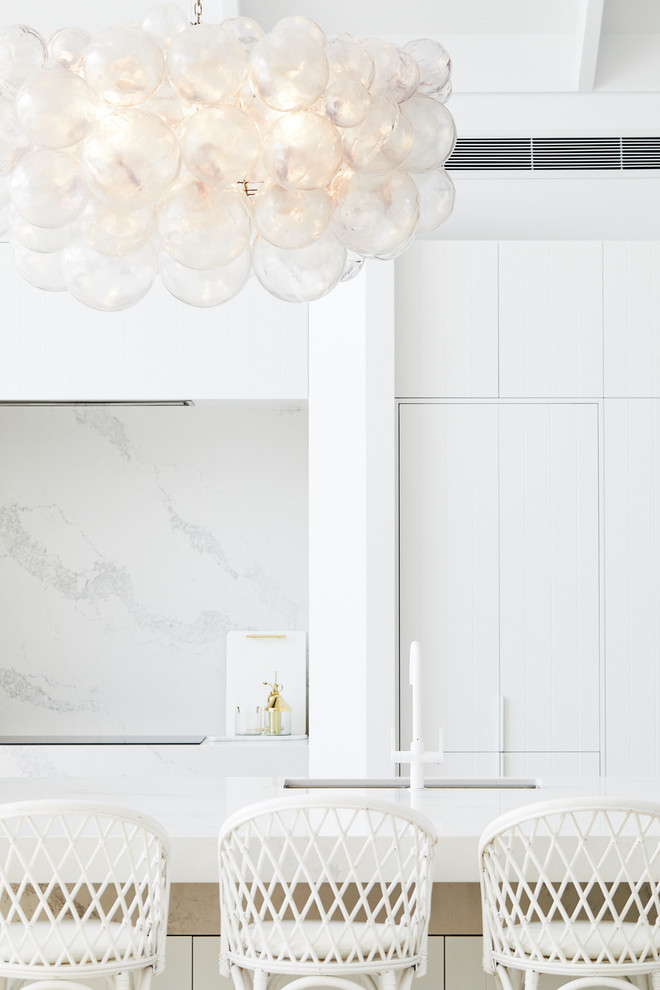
point(556, 153)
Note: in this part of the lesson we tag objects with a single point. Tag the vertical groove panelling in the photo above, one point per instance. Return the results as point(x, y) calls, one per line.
point(632, 318)
point(448, 566)
point(550, 316)
point(549, 576)
point(52, 347)
point(446, 319)
point(632, 505)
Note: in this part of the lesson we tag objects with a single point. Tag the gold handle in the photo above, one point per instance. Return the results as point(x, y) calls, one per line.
point(265, 636)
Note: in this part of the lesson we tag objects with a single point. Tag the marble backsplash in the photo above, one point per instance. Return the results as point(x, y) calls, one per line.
point(132, 539)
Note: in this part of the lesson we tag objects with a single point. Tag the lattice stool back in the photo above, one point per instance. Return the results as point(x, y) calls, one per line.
point(573, 888)
point(83, 892)
point(333, 889)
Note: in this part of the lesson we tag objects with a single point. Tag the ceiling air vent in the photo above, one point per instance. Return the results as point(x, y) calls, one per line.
point(555, 153)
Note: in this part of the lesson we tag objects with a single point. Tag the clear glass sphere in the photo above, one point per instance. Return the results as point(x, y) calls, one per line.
point(443, 94)
point(298, 22)
point(346, 102)
point(382, 141)
point(4, 220)
point(436, 198)
point(106, 283)
point(168, 105)
point(123, 65)
point(46, 239)
point(55, 108)
point(113, 231)
point(22, 52)
point(396, 73)
point(300, 275)
point(434, 64)
point(348, 58)
point(291, 218)
point(130, 158)
point(67, 47)
point(246, 30)
point(302, 151)
point(43, 269)
point(203, 226)
point(434, 130)
point(206, 64)
point(205, 287)
point(374, 214)
point(221, 144)
point(263, 115)
point(288, 70)
point(5, 190)
point(354, 265)
point(14, 143)
point(47, 188)
point(164, 21)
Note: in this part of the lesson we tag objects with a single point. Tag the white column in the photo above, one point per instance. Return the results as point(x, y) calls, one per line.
point(352, 472)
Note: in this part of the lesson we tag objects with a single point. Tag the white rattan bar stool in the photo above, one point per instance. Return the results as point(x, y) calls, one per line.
point(329, 893)
point(83, 894)
point(572, 888)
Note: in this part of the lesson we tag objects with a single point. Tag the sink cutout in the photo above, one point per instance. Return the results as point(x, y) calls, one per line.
point(400, 783)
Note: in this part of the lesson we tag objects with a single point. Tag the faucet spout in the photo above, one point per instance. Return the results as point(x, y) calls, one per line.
point(416, 755)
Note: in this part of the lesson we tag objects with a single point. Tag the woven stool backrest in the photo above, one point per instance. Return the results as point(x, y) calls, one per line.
point(81, 886)
point(573, 883)
point(313, 883)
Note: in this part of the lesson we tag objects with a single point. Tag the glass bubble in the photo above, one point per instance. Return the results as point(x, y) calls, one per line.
point(130, 158)
point(434, 64)
point(374, 214)
point(263, 115)
point(55, 108)
point(353, 267)
point(346, 102)
point(302, 151)
point(221, 144)
point(40, 268)
point(436, 198)
point(300, 275)
point(206, 64)
point(22, 52)
point(288, 70)
point(298, 22)
point(168, 105)
point(47, 188)
point(291, 218)
point(434, 130)
point(382, 141)
point(113, 231)
point(4, 220)
point(123, 65)
point(348, 58)
point(5, 190)
point(396, 73)
point(45, 239)
point(164, 21)
point(202, 226)
point(246, 30)
point(205, 287)
point(13, 142)
point(106, 283)
point(67, 47)
point(443, 94)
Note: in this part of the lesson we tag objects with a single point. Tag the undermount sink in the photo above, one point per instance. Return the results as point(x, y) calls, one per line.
point(507, 783)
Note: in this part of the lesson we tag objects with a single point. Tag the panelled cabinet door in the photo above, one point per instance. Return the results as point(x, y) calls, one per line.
point(448, 588)
point(177, 974)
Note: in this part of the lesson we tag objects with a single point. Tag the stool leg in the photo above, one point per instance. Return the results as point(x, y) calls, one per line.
point(532, 980)
point(260, 981)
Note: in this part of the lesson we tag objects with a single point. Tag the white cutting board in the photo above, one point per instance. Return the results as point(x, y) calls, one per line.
point(253, 656)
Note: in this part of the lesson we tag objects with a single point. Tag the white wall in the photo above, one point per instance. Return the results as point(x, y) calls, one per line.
point(131, 541)
point(529, 384)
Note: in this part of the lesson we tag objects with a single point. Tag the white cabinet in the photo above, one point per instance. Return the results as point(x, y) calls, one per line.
point(463, 964)
point(550, 319)
point(632, 585)
point(632, 318)
point(434, 976)
point(205, 962)
point(178, 964)
point(499, 574)
point(446, 319)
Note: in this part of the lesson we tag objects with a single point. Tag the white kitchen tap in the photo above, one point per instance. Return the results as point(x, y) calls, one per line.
point(416, 756)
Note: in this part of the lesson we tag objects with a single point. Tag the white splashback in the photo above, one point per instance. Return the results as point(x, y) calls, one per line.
point(257, 657)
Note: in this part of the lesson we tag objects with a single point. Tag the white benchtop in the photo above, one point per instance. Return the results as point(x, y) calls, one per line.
point(193, 808)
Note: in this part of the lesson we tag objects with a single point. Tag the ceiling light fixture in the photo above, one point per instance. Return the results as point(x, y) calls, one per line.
point(206, 151)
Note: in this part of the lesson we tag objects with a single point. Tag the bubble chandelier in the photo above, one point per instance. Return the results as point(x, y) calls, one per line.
point(205, 152)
